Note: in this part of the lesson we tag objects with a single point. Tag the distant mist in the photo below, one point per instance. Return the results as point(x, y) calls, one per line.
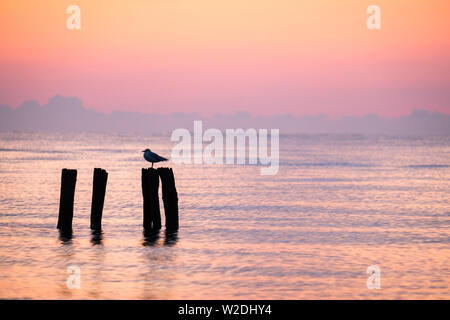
point(69, 114)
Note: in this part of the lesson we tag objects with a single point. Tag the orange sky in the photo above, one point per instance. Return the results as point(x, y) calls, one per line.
point(265, 57)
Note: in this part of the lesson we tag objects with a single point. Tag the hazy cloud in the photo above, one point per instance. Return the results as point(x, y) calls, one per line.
point(69, 114)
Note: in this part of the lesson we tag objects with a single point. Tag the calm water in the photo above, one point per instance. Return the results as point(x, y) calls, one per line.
point(338, 205)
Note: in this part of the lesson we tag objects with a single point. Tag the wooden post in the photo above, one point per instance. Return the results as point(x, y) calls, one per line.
point(68, 181)
point(98, 198)
point(170, 198)
point(150, 186)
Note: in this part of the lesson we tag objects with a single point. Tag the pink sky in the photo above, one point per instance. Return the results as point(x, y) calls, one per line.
point(264, 57)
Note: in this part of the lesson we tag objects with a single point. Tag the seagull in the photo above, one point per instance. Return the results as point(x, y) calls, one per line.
point(152, 157)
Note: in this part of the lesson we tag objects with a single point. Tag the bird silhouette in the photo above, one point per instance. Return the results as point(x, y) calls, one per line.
point(152, 157)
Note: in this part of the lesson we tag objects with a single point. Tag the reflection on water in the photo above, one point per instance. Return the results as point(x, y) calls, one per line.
point(66, 255)
point(97, 237)
point(338, 205)
point(65, 236)
point(97, 260)
point(150, 238)
point(153, 238)
point(170, 238)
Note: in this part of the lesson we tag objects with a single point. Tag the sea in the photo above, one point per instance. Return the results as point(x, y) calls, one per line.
point(346, 217)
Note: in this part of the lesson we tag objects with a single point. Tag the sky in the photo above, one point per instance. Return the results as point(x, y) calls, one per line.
point(262, 57)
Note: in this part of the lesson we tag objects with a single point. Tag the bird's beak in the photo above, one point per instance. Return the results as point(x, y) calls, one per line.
point(143, 151)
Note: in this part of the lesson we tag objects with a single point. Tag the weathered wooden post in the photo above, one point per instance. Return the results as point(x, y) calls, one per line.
point(170, 198)
point(98, 198)
point(68, 181)
point(150, 186)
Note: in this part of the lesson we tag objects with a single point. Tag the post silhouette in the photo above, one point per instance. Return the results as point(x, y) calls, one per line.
point(98, 198)
point(170, 198)
point(68, 182)
point(150, 186)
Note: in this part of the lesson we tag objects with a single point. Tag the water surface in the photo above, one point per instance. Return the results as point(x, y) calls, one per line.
point(339, 204)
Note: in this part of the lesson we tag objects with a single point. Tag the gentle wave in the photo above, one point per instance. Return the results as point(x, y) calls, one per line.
point(15, 160)
point(428, 166)
point(33, 151)
point(106, 150)
point(327, 164)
